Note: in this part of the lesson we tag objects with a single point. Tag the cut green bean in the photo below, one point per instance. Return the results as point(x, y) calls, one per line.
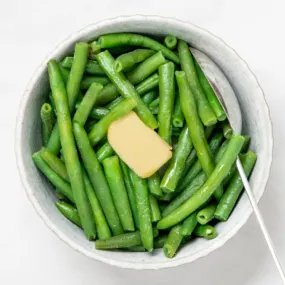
point(205, 231)
point(48, 122)
point(205, 215)
point(173, 241)
point(154, 209)
point(68, 145)
point(189, 224)
point(187, 64)
point(126, 89)
point(206, 191)
point(125, 39)
point(98, 113)
point(235, 188)
point(104, 151)
point(159, 241)
point(154, 185)
point(99, 131)
point(127, 61)
point(149, 97)
point(227, 130)
point(170, 42)
point(69, 212)
point(131, 194)
point(97, 178)
point(167, 97)
point(177, 117)
point(155, 103)
point(87, 103)
point(119, 193)
point(87, 81)
point(143, 207)
point(148, 84)
point(90, 124)
point(174, 170)
point(210, 94)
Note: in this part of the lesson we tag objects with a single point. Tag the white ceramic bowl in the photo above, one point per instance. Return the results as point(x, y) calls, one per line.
point(256, 123)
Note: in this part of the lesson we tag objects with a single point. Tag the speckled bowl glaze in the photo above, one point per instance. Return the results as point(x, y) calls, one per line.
point(256, 123)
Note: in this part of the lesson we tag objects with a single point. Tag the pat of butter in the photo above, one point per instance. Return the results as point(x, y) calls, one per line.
point(141, 148)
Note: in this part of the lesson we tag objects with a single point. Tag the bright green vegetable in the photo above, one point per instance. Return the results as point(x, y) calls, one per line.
point(227, 130)
point(69, 212)
point(205, 215)
point(104, 151)
point(87, 81)
point(167, 97)
point(205, 192)
point(98, 113)
point(97, 178)
point(154, 104)
point(148, 84)
point(235, 187)
point(187, 64)
point(48, 122)
point(177, 117)
point(189, 224)
point(125, 88)
point(170, 42)
point(154, 209)
point(154, 185)
point(205, 231)
point(149, 97)
point(69, 148)
point(173, 241)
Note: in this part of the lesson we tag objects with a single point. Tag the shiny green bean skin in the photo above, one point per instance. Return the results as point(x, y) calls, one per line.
point(87, 81)
point(116, 183)
point(125, 88)
point(69, 148)
point(61, 185)
point(187, 64)
point(126, 39)
point(149, 97)
point(98, 179)
point(175, 167)
point(177, 117)
point(195, 126)
point(154, 209)
point(98, 113)
point(173, 241)
point(127, 61)
point(154, 185)
point(99, 131)
point(227, 130)
point(170, 42)
point(131, 194)
point(48, 122)
point(104, 151)
point(159, 241)
point(155, 103)
point(69, 212)
point(206, 191)
point(205, 215)
point(235, 188)
point(148, 84)
point(92, 66)
point(87, 103)
point(205, 231)
point(144, 213)
point(167, 97)
point(210, 94)
point(189, 224)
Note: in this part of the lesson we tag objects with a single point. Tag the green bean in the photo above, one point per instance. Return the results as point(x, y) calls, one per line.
point(159, 241)
point(125, 88)
point(189, 224)
point(195, 126)
point(148, 84)
point(210, 94)
point(61, 185)
point(131, 194)
point(205, 215)
point(104, 151)
point(98, 113)
point(144, 213)
point(154, 111)
point(48, 122)
point(186, 193)
point(94, 48)
point(54, 163)
point(65, 72)
point(149, 97)
point(187, 64)
point(205, 192)
point(51, 102)
point(103, 229)
point(114, 103)
point(72, 90)
point(205, 231)
point(92, 67)
point(235, 188)
point(69, 212)
point(155, 103)
point(90, 124)
point(221, 151)
point(173, 241)
point(69, 148)
point(170, 42)
point(197, 167)
point(167, 97)
point(87, 81)
point(227, 130)
point(175, 132)
point(87, 103)
point(119, 193)
point(99, 131)
point(154, 209)
point(127, 61)
point(136, 248)
point(177, 117)
point(97, 178)
point(125, 39)
point(154, 185)
point(175, 167)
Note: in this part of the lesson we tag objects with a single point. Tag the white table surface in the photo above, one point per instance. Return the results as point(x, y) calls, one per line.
point(29, 252)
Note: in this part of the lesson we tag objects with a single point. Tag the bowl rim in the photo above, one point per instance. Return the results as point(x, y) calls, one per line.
point(24, 177)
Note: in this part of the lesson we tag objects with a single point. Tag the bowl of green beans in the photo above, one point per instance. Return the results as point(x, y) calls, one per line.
point(82, 186)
